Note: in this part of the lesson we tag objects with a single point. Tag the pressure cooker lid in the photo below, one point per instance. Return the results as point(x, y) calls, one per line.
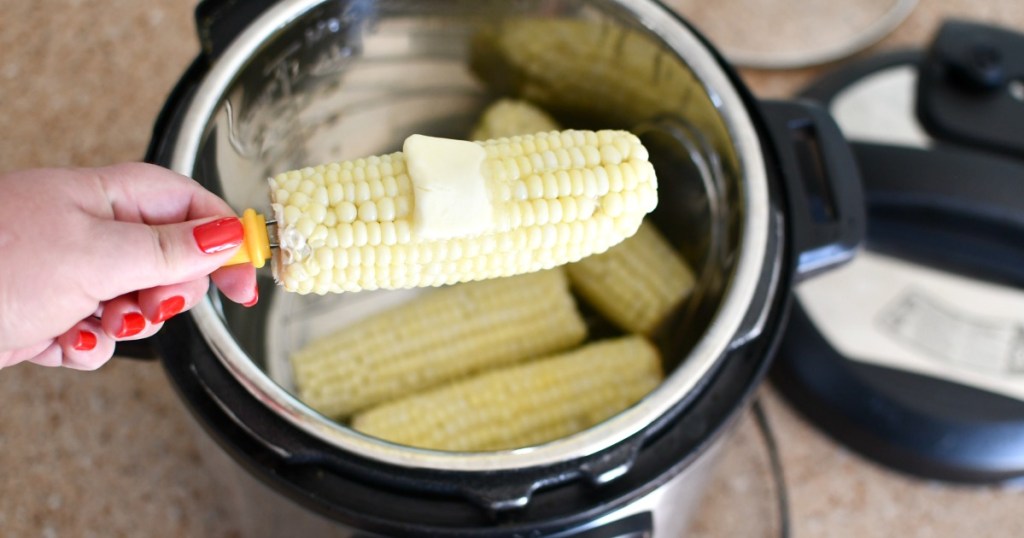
point(913, 354)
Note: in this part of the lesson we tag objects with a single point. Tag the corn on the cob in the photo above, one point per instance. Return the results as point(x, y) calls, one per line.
point(554, 198)
point(511, 117)
point(636, 283)
point(522, 405)
point(594, 72)
point(446, 334)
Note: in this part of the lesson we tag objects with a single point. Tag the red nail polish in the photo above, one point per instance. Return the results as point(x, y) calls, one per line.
point(85, 341)
point(169, 308)
point(219, 235)
point(131, 324)
point(255, 297)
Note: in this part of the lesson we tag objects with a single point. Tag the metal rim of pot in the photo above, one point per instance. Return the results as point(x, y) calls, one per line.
point(724, 333)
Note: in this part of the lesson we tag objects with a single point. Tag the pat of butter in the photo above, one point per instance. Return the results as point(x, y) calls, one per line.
point(449, 188)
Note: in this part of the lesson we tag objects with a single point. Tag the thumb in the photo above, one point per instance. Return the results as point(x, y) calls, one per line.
point(142, 256)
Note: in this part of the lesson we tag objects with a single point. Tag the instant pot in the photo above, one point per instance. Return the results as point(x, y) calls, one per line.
point(755, 195)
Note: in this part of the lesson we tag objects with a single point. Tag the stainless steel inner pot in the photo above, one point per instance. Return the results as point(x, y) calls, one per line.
point(312, 82)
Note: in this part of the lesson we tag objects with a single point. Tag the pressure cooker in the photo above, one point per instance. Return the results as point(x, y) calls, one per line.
point(755, 195)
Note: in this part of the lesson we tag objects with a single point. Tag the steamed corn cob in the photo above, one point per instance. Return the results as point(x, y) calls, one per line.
point(547, 199)
point(637, 283)
point(594, 72)
point(446, 334)
point(511, 117)
point(522, 405)
point(581, 66)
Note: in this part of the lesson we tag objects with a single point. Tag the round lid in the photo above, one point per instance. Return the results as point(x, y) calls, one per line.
point(837, 29)
point(913, 354)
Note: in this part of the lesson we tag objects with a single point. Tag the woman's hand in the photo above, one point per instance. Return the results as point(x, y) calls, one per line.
point(92, 256)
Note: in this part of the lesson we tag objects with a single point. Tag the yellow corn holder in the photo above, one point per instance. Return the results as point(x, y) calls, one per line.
point(256, 247)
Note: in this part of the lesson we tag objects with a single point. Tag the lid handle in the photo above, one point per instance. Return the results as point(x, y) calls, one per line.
point(970, 87)
point(822, 183)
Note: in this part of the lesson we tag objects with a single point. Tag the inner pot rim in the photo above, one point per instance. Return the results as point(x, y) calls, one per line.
point(716, 342)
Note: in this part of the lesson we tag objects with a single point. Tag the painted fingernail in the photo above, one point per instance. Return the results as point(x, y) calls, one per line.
point(219, 235)
point(169, 308)
point(131, 324)
point(255, 297)
point(85, 341)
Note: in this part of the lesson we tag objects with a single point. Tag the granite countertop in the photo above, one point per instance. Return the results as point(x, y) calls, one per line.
point(113, 452)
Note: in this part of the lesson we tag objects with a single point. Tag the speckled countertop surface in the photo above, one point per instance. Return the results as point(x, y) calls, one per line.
point(112, 452)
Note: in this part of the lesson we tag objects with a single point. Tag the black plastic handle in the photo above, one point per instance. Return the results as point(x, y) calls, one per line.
point(972, 201)
point(970, 87)
point(823, 186)
point(970, 184)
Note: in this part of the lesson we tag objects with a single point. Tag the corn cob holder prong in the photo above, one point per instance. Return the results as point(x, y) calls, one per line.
point(256, 244)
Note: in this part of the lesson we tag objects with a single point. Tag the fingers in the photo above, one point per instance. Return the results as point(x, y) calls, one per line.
point(123, 319)
point(144, 193)
point(138, 256)
point(237, 283)
point(85, 346)
point(164, 302)
point(90, 343)
point(166, 228)
point(116, 231)
point(138, 315)
point(50, 356)
point(133, 316)
point(10, 358)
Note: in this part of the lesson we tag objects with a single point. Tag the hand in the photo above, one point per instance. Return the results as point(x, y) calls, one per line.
point(93, 256)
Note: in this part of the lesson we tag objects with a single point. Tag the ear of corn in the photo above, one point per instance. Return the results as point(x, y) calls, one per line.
point(637, 283)
point(594, 72)
point(438, 337)
point(557, 197)
point(522, 405)
point(512, 117)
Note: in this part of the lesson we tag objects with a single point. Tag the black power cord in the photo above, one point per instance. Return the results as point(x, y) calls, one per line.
point(775, 462)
